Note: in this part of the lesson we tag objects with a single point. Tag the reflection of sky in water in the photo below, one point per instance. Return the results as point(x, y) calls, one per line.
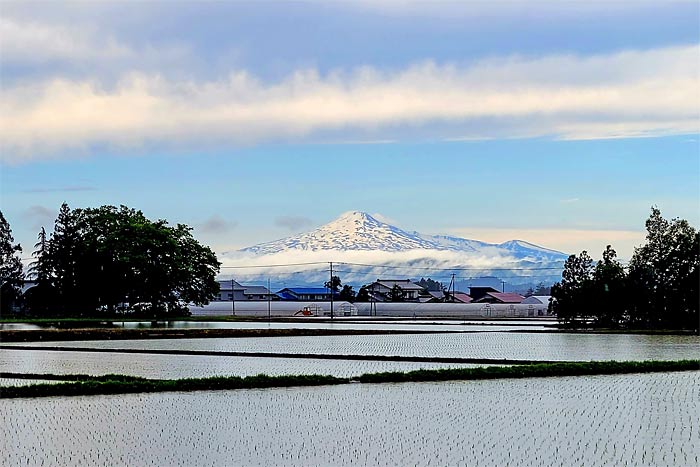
point(190, 366)
point(496, 345)
point(307, 323)
point(641, 419)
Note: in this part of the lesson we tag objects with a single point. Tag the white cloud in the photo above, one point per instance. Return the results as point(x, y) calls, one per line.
point(38, 42)
point(416, 258)
point(81, 46)
point(625, 94)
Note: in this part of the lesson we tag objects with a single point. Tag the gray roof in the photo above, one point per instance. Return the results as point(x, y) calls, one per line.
point(405, 284)
point(226, 285)
point(256, 290)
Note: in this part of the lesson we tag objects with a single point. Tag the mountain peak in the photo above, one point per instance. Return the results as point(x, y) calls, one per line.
point(355, 215)
point(359, 231)
point(352, 220)
point(353, 230)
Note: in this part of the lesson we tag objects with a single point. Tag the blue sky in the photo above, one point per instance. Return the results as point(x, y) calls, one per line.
point(560, 123)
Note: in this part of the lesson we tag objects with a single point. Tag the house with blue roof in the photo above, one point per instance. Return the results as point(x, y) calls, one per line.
point(309, 294)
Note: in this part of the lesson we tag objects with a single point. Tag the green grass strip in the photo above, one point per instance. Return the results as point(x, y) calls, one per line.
point(120, 384)
point(536, 370)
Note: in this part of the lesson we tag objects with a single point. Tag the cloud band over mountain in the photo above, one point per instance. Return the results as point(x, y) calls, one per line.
point(622, 94)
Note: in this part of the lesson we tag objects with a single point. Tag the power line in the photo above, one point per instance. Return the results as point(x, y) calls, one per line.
point(274, 265)
point(449, 269)
point(382, 266)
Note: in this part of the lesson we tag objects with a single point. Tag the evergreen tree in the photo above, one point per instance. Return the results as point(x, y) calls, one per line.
point(609, 288)
point(11, 276)
point(572, 294)
point(40, 297)
point(664, 274)
point(63, 259)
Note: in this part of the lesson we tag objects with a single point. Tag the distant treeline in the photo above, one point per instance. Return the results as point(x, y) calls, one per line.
point(659, 289)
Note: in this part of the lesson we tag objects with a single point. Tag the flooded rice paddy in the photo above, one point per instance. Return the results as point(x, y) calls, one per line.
point(309, 323)
point(489, 345)
point(192, 366)
point(636, 419)
point(639, 420)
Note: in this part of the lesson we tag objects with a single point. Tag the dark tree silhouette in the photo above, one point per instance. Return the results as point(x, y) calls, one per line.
point(362, 295)
point(572, 293)
point(661, 289)
point(347, 294)
point(333, 284)
point(101, 260)
point(664, 274)
point(11, 276)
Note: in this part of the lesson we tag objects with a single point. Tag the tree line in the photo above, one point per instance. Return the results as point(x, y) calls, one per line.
point(108, 260)
point(346, 292)
point(659, 289)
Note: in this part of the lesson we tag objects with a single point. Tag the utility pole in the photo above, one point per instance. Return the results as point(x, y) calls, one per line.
point(503, 286)
point(331, 287)
point(268, 299)
point(452, 283)
point(233, 298)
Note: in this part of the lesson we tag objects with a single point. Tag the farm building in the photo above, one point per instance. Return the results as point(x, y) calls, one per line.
point(380, 290)
point(537, 304)
point(232, 290)
point(478, 292)
point(313, 294)
point(458, 297)
point(499, 297)
point(279, 308)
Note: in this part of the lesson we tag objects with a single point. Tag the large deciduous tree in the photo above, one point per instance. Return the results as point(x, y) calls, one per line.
point(108, 259)
point(11, 276)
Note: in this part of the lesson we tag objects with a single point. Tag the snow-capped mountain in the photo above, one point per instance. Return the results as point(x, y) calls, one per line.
point(359, 231)
point(364, 248)
point(352, 231)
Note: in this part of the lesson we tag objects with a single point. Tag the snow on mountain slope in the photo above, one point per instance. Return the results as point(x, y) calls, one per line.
point(365, 248)
point(517, 246)
point(352, 231)
point(359, 231)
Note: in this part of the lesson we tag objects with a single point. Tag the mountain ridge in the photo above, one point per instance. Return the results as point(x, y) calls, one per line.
point(365, 248)
point(359, 231)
